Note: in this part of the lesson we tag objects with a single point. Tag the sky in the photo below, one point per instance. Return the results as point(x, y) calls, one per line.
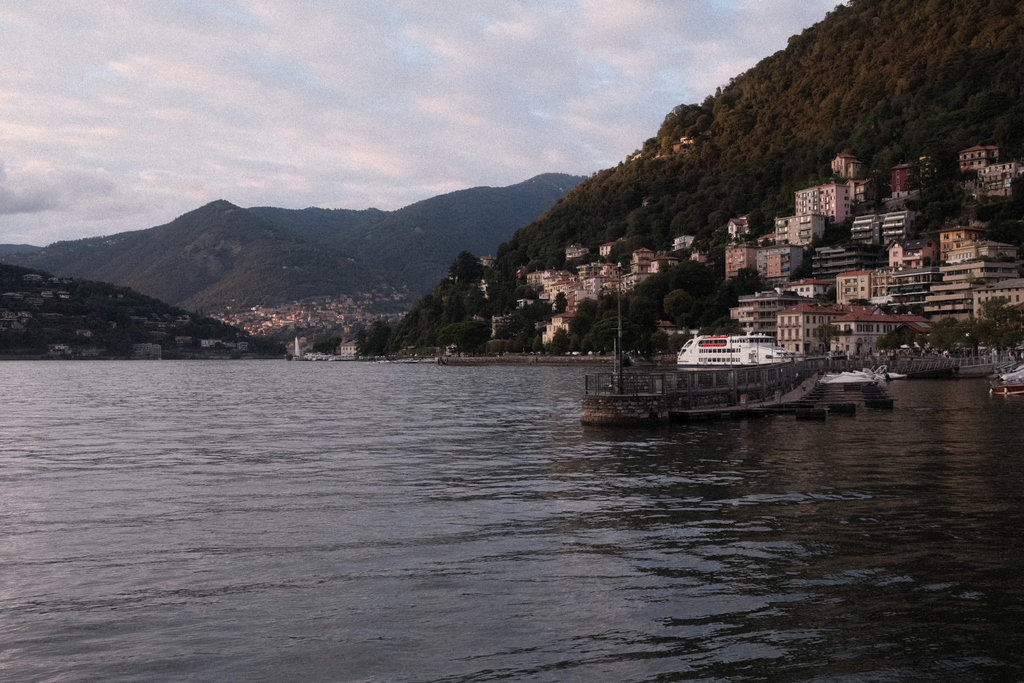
point(124, 114)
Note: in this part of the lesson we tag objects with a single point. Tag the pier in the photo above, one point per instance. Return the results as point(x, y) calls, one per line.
point(732, 393)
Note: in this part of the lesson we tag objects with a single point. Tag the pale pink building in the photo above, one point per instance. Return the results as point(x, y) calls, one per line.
point(831, 201)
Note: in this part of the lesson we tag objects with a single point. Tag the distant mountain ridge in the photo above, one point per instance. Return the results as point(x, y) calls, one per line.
point(17, 249)
point(222, 255)
point(422, 239)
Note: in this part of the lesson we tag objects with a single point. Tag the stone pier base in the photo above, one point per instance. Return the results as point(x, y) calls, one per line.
point(624, 410)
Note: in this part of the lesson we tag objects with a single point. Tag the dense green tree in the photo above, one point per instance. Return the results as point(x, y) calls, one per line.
point(374, 340)
point(466, 268)
point(826, 333)
point(559, 344)
point(467, 337)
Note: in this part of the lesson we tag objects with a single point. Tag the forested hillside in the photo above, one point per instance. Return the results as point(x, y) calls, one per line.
point(889, 81)
point(39, 311)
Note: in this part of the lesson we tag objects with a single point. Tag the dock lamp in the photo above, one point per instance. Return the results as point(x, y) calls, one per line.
point(618, 345)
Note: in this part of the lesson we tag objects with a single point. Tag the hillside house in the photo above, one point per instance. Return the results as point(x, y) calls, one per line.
point(808, 287)
point(957, 237)
point(977, 157)
point(861, 191)
point(899, 182)
point(682, 242)
point(575, 251)
point(799, 230)
point(828, 262)
point(737, 227)
point(907, 254)
point(982, 249)
point(854, 285)
point(897, 225)
point(906, 287)
point(954, 295)
point(867, 229)
point(996, 180)
point(739, 257)
point(847, 166)
point(775, 264)
point(831, 200)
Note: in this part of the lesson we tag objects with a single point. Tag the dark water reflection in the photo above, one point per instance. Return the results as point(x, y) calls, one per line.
point(351, 522)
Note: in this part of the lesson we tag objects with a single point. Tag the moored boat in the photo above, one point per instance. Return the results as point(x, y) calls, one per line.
point(724, 350)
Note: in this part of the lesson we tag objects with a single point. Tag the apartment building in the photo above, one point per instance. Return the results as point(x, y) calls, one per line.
point(831, 200)
point(957, 237)
point(799, 230)
point(775, 264)
point(758, 313)
point(954, 295)
point(828, 262)
point(854, 285)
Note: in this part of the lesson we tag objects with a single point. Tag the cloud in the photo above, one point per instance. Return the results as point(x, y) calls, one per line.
point(119, 116)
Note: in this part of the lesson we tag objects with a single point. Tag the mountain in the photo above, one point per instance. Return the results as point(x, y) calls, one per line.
point(888, 81)
point(208, 258)
point(221, 255)
point(415, 245)
point(17, 249)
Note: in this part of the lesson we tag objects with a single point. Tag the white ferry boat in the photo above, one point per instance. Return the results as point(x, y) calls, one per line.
point(732, 350)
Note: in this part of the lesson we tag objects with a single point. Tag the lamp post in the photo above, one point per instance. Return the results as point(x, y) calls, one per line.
point(618, 344)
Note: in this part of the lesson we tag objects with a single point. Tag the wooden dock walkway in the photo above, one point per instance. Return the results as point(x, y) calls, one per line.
point(720, 394)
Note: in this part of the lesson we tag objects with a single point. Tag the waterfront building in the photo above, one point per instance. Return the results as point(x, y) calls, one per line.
point(861, 327)
point(558, 322)
point(795, 326)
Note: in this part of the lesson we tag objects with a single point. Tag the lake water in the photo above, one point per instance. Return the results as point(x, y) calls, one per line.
point(272, 521)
